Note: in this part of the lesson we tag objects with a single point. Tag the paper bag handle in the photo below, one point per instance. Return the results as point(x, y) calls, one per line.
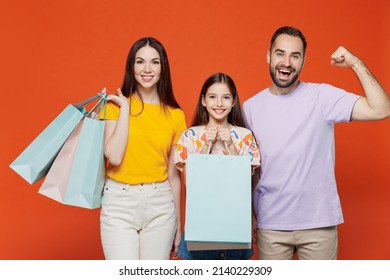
point(226, 147)
point(86, 101)
point(98, 106)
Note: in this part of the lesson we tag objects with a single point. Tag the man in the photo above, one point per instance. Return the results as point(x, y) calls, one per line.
point(296, 200)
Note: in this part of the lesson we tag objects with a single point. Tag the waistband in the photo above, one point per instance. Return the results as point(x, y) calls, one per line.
point(122, 186)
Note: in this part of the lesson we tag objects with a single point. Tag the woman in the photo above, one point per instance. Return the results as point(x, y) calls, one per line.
point(140, 215)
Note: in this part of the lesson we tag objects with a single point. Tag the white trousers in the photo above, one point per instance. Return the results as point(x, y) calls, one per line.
point(137, 222)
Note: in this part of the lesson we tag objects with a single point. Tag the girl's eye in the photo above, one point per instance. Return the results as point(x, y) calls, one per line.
point(156, 62)
point(228, 97)
point(139, 61)
point(211, 96)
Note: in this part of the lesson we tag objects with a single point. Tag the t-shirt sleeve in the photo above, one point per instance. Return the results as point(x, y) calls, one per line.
point(249, 147)
point(188, 143)
point(180, 125)
point(337, 104)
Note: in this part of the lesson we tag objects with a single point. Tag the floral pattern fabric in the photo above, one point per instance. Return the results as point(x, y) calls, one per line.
point(193, 139)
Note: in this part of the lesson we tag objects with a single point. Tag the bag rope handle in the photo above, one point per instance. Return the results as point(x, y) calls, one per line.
point(226, 147)
point(97, 107)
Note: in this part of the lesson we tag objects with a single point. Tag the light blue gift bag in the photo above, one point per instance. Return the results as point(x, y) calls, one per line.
point(218, 202)
point(34, 162)
point(87, 174)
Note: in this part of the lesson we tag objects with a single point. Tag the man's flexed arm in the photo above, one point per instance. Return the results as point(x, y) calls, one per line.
point(376, 104)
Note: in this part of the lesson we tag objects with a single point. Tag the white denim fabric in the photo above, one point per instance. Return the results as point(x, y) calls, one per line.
point(137, 222)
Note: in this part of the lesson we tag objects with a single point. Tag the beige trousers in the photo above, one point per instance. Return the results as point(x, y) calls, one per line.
point(310, 244)
point(137, 222)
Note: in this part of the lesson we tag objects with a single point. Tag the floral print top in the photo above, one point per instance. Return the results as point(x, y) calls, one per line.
point(193, 139)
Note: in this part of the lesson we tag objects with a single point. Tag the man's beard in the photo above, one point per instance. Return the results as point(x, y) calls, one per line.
point(280, 84)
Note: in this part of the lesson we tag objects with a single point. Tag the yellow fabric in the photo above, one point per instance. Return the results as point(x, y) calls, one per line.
point(151, 136)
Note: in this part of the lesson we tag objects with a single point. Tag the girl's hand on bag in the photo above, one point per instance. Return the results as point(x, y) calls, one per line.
point(224, 135)
point(119, 99)
point(211, 135)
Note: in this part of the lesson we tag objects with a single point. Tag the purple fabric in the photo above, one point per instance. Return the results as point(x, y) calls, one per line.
point(295, 134)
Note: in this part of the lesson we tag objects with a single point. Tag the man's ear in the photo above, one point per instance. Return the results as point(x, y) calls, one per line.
point(268, 57)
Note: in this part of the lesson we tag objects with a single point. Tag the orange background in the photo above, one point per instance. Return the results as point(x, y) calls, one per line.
point(58, 52)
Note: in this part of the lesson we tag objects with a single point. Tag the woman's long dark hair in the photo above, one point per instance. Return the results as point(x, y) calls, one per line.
point(164, 85)
point(201, 116)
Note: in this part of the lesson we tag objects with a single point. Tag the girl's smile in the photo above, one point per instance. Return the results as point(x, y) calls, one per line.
point(218, 101)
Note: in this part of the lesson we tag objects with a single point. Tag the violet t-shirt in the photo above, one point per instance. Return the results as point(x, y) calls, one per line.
point(297, 189)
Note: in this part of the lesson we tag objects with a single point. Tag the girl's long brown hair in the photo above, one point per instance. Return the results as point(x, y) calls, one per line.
point(201, 116)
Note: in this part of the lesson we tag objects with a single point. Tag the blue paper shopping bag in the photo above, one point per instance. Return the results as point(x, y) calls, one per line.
point(34, 162)
point(77, 175)
point(218, 202)
point(87, 174)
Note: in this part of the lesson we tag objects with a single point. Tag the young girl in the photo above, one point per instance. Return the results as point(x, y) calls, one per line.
point(140, 215)
point(217, 126)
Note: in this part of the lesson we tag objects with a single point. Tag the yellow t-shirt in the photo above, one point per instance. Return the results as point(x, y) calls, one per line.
point(151, 137)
